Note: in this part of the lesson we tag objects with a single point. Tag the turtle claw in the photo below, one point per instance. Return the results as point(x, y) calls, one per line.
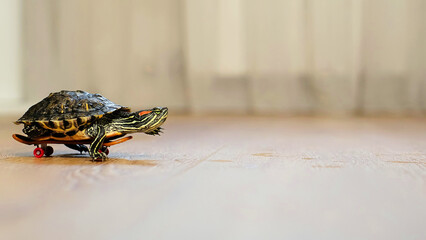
point(156, 131)
point(99, 156)
point(79, 147)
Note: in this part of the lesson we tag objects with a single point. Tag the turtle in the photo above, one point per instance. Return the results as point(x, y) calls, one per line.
point(77, 116)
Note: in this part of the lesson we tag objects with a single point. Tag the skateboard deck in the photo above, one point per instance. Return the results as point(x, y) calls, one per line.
point(29, 141)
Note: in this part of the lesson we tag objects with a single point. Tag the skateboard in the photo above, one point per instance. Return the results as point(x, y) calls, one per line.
point(42, 149)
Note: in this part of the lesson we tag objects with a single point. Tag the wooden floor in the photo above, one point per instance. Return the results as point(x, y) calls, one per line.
point(225, 178)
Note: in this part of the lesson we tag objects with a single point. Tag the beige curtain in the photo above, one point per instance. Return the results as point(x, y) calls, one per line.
point(239, 56)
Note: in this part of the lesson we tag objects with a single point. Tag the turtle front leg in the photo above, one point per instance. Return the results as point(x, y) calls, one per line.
point(96, 145)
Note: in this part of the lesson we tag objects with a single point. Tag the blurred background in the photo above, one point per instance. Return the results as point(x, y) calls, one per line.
point(222, 177)
point(290, 57)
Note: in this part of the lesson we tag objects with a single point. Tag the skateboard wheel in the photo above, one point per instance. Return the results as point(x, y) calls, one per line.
point(48, 151)
point(38, 152)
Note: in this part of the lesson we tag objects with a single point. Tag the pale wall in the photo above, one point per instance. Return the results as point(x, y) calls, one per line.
point(333, 57)
point(10, 57)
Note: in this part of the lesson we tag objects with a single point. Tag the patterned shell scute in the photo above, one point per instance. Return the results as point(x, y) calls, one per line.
point(68, 105)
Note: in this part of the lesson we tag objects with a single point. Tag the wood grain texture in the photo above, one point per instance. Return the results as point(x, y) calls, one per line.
point(225, 178)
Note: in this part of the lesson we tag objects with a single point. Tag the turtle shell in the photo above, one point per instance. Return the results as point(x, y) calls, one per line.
point(65, 106)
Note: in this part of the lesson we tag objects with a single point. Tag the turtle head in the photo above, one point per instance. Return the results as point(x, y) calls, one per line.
point(147, 121)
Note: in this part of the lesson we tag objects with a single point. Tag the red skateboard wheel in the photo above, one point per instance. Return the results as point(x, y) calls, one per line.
point(38, 152)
